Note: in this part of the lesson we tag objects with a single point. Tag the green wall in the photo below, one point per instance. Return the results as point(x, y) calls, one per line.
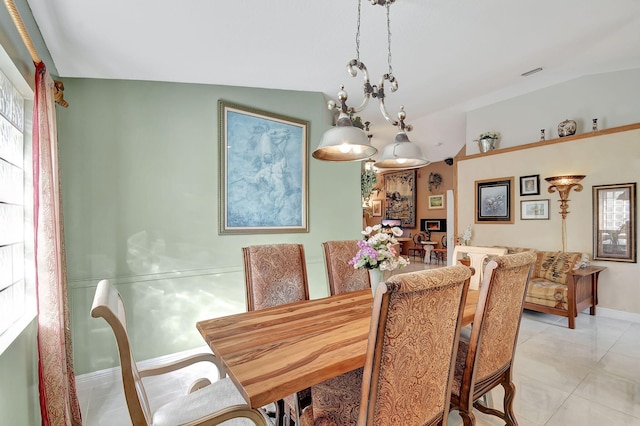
point(140, 175)
point(19, 402)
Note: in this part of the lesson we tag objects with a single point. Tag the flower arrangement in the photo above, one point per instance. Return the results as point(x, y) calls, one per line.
point(378, 250)
point(465, 237)
point(489, 135)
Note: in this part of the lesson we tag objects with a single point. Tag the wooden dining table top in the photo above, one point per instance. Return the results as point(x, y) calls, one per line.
point(274, 352)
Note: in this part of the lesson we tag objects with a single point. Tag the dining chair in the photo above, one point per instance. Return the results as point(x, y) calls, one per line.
point(486, 359)
point(206, 403)
point(410, 359)
point(417, 246)
point(342, 276)
point(276, 274)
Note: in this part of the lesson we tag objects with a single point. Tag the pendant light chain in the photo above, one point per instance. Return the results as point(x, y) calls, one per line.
point(389, 38)
point(358, 32)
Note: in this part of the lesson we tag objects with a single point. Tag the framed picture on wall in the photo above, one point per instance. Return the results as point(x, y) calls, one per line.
point(263, 171)
point(436, 201)
point(493, 200)
point(376, 208)
point(614, 222)
point(400, 192)
point(433, 225)
point(534, 210)
point(530, 185)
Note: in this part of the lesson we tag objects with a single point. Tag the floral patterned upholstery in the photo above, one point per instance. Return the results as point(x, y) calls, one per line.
point(275, 274)
point(485, 360)
point(342, 276)
point(412, 344)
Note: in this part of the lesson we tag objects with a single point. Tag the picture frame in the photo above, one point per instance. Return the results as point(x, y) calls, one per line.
point(400, 193)
point(493, 201)
point(376, 208)
point(614, 222)
point(436, 201)
point(530, 185)
point(263, 171)
point(433, 225)
point(534, 209)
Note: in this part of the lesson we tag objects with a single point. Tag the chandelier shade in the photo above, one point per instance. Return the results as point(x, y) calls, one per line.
point(344, 142)
point(401, 154)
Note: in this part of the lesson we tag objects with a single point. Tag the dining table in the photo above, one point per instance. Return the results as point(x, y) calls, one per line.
point(275, 352)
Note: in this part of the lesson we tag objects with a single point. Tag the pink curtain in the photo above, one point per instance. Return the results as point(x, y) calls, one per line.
point(58, 399)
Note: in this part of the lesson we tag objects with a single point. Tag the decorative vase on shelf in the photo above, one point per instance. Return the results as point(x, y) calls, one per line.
point(487, 144)
point(566, 128)
point(376, 276)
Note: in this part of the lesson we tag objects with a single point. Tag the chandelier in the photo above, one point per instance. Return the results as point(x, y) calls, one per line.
point(344, 142)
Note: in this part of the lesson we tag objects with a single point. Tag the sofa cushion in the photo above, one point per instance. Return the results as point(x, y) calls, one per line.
point(548, 293)
point(555, 266)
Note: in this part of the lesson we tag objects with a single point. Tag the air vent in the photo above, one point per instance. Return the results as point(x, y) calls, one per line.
point(533, 71)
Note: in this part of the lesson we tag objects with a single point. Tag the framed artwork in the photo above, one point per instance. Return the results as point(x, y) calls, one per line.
point(400, 190)
point(436, 201)
point(530, 185)
point(263, 171)
point(534, 210)
point(493, 200)
point(433, 225)
point(376, 208)
point(614, 222)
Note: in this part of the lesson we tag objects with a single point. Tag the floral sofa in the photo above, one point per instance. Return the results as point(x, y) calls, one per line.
point(561, 283)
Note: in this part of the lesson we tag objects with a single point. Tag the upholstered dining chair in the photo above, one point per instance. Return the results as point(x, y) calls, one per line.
point(342, 276)
point(413, 340)
point(206, 403)
point(486, 359)
point(276, 274)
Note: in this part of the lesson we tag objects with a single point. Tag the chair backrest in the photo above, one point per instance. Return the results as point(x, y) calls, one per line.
point(497, 320)
point(413, 341)
point(342, 276)
point(107, 303)
point(478, 256)
point(274, 274)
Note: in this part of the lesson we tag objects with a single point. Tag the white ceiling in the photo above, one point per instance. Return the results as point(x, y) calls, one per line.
point(449, 56)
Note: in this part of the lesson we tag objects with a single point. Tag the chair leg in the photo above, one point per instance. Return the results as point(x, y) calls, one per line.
point(468, 419)
point(509, 396)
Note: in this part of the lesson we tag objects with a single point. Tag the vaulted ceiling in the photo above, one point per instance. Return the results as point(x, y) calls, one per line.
point(448, 56)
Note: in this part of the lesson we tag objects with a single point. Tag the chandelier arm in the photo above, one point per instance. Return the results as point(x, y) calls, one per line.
point(352, 67)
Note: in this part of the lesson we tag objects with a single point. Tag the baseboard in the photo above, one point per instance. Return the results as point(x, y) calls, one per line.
point(113, 374)
point(621, 315)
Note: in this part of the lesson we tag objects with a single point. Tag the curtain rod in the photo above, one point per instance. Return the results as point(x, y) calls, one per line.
point(58, 87)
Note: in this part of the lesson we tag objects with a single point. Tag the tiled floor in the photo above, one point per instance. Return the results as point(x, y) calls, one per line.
point(589, 376)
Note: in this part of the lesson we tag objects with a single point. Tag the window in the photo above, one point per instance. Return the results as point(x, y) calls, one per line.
point(17, 304)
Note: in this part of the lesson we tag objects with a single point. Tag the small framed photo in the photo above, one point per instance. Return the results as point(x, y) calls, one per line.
point(376, 208)
point(433, 225)
point(494, 200)
point(534, 210)
point(436, 201)
point(530, 185)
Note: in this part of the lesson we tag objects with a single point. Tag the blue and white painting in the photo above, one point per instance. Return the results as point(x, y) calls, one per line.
point(265, 173)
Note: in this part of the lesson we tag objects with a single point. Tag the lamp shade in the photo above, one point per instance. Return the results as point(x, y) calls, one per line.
point(343, 142)
point(401, 154)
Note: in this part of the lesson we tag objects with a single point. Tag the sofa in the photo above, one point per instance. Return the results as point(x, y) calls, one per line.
point(562, 283)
